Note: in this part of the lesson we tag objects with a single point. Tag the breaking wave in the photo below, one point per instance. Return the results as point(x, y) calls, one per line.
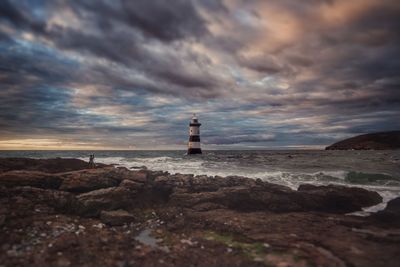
point(373, 170)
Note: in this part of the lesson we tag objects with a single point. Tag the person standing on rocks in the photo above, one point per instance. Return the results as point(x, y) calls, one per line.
point(92, 165)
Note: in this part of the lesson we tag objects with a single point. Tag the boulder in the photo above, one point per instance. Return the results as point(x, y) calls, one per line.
point(29, 178)
point(92, 203)
point(336, 198)
point(26, 200)
point(268, 197)
point(239, 198)
point(391, 214)
point(132, 185)
point(138, 176)
point(116, 217)
point(90, 179)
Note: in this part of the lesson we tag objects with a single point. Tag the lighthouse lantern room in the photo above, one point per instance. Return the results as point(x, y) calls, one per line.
point(194, 136)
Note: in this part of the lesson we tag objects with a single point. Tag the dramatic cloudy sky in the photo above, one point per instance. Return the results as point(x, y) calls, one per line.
point(259, 73)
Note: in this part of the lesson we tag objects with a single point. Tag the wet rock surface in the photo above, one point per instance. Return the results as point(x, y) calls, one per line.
point(53, 216)
point(335, 198)
point(391, 214)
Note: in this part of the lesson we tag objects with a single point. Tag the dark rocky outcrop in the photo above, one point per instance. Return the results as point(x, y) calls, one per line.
point(372, 141)
point(44, 165)
point(335, 198)
point(391, 214)
point(89, 180)
point(50, 218)
point(112, 198)
point(30, 178)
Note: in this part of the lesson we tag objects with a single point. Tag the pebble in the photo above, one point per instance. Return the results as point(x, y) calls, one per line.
point(258, 259)
point(188, 242)
point(99, 225)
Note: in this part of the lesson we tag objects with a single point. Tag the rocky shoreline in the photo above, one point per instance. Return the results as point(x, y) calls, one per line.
point(58, 212)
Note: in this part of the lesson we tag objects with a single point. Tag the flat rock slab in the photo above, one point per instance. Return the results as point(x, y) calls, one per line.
point(30, 178)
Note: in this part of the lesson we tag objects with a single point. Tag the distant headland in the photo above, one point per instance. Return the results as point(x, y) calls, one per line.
point(371, 141)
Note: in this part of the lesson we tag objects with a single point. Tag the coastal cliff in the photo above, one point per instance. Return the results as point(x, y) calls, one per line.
point(372, 141)
point(65, 214)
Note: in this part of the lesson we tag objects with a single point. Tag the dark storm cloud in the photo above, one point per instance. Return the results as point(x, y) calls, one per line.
point(239, 139)
point(20, 19)
point(258, 72)
point(264, 64)
point(129, 47)
point(157, 19)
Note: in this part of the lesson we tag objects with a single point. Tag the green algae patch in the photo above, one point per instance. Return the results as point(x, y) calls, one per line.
point(253, 250)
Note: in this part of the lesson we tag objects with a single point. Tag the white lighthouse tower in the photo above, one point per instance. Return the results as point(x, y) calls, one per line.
point(194, 136)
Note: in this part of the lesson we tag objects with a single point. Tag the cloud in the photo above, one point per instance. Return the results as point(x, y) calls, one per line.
point(260, 73)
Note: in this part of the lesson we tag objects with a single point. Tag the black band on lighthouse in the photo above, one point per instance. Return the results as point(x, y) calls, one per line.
point(194, 138)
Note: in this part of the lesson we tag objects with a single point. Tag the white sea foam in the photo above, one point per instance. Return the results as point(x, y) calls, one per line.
point(292, 179)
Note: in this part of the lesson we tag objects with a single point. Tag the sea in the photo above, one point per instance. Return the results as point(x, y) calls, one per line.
point(373, 170)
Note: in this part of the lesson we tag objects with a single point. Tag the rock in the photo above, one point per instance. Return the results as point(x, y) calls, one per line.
point(267, 197)
point(105, 199)
point(28, 200)
point(64, 242)
point(29, 178)
point(393, 206)
point(131, 185)
point(239, 198)
point(90, 179)
point(337, 199)
point(116, 217)
point(391, 214)
point(2, 219)
point(138, 176)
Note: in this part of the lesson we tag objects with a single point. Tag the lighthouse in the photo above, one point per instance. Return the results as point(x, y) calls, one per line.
point(194, 136)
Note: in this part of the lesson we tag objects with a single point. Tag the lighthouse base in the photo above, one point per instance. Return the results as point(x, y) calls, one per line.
point(192, 151)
